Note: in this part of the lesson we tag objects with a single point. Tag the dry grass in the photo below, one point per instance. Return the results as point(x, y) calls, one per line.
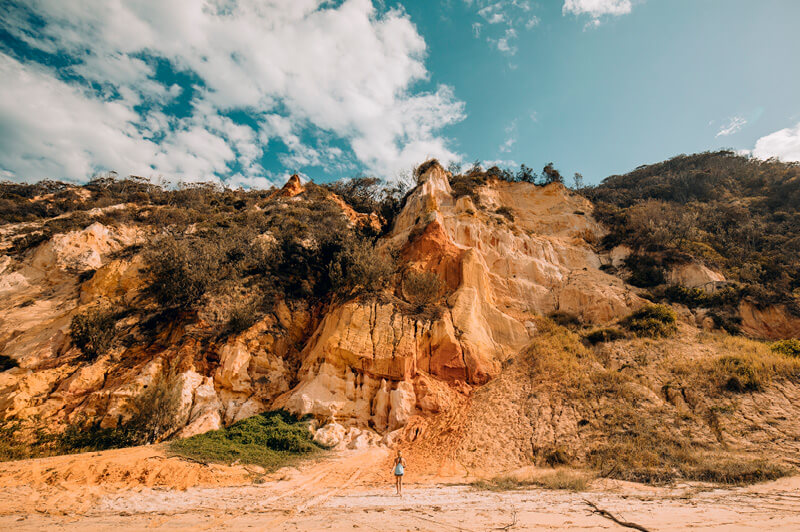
point(559, 357)
point(632, 429)
point(743, 365)
point(558, 479)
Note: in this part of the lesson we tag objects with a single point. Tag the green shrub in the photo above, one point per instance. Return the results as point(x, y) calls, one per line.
point(697, 297)
point(271, 440)
point(422, 289)
point(652, 321)
point(790, 347)
point(604, 335)
point(727, 319)
point(468, 185)
point(420, 170)
point(726, 210)
point(92, 331)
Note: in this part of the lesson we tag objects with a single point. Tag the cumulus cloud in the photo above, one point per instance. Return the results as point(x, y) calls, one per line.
point(783, 145)
point(597, 9)
point(304, 72)
point(49, 128)
point(734, 125)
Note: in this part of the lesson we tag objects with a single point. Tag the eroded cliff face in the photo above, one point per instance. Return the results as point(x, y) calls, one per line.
point(373, 365)
point(363, 368)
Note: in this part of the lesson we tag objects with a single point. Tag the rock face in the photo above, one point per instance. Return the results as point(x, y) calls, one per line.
point(366, 362)
point(363, 368)
point(693, 275)
point(774, 323)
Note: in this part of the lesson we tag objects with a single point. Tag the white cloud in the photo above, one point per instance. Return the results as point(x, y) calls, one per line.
point(503, 18)
point(51, 129)
point(505, 43)
point(734, 124)
point(596, 9)
point(344, 70)
point(783, 145)
point(511, 137)
point(500, 163)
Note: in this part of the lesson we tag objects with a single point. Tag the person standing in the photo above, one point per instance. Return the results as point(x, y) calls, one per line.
point(399, 470)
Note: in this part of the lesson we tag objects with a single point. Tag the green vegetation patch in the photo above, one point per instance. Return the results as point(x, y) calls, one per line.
point(654, 321)
point(790, 347)
point(735, 214)
point(270, 440)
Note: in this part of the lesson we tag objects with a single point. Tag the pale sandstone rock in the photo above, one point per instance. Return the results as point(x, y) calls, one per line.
point(330, 435)
point(494, 272)
point(210, 420)
point(189, 381)
point(250, 408)
point(13, 282)
point(86, 379)
point(381, 406)
point(619, 254)
point(360, 439)
point(234, 360)
point(120, 399)
point(114, 280)
point(402, 400)
point(83, 250)
point(391, 438)
point(693, 275)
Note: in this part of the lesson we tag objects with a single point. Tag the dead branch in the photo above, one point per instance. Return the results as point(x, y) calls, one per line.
point(513, 522)
point(609, 515)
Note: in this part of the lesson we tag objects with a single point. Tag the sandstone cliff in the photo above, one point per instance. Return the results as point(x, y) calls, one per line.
point(368, 369)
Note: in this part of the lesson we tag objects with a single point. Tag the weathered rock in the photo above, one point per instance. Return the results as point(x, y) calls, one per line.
point(83, 250)
point(330, 435)
point(232, 372)
point(693, 275)
point(773, 323)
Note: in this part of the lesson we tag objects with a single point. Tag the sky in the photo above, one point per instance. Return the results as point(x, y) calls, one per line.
point(247, 92)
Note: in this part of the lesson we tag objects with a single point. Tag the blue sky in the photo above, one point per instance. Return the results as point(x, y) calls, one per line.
point(247, 92)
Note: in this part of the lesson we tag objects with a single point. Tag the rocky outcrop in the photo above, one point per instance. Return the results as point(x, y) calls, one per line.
point(370, 364)
point(775, 322)
point(693, 275)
